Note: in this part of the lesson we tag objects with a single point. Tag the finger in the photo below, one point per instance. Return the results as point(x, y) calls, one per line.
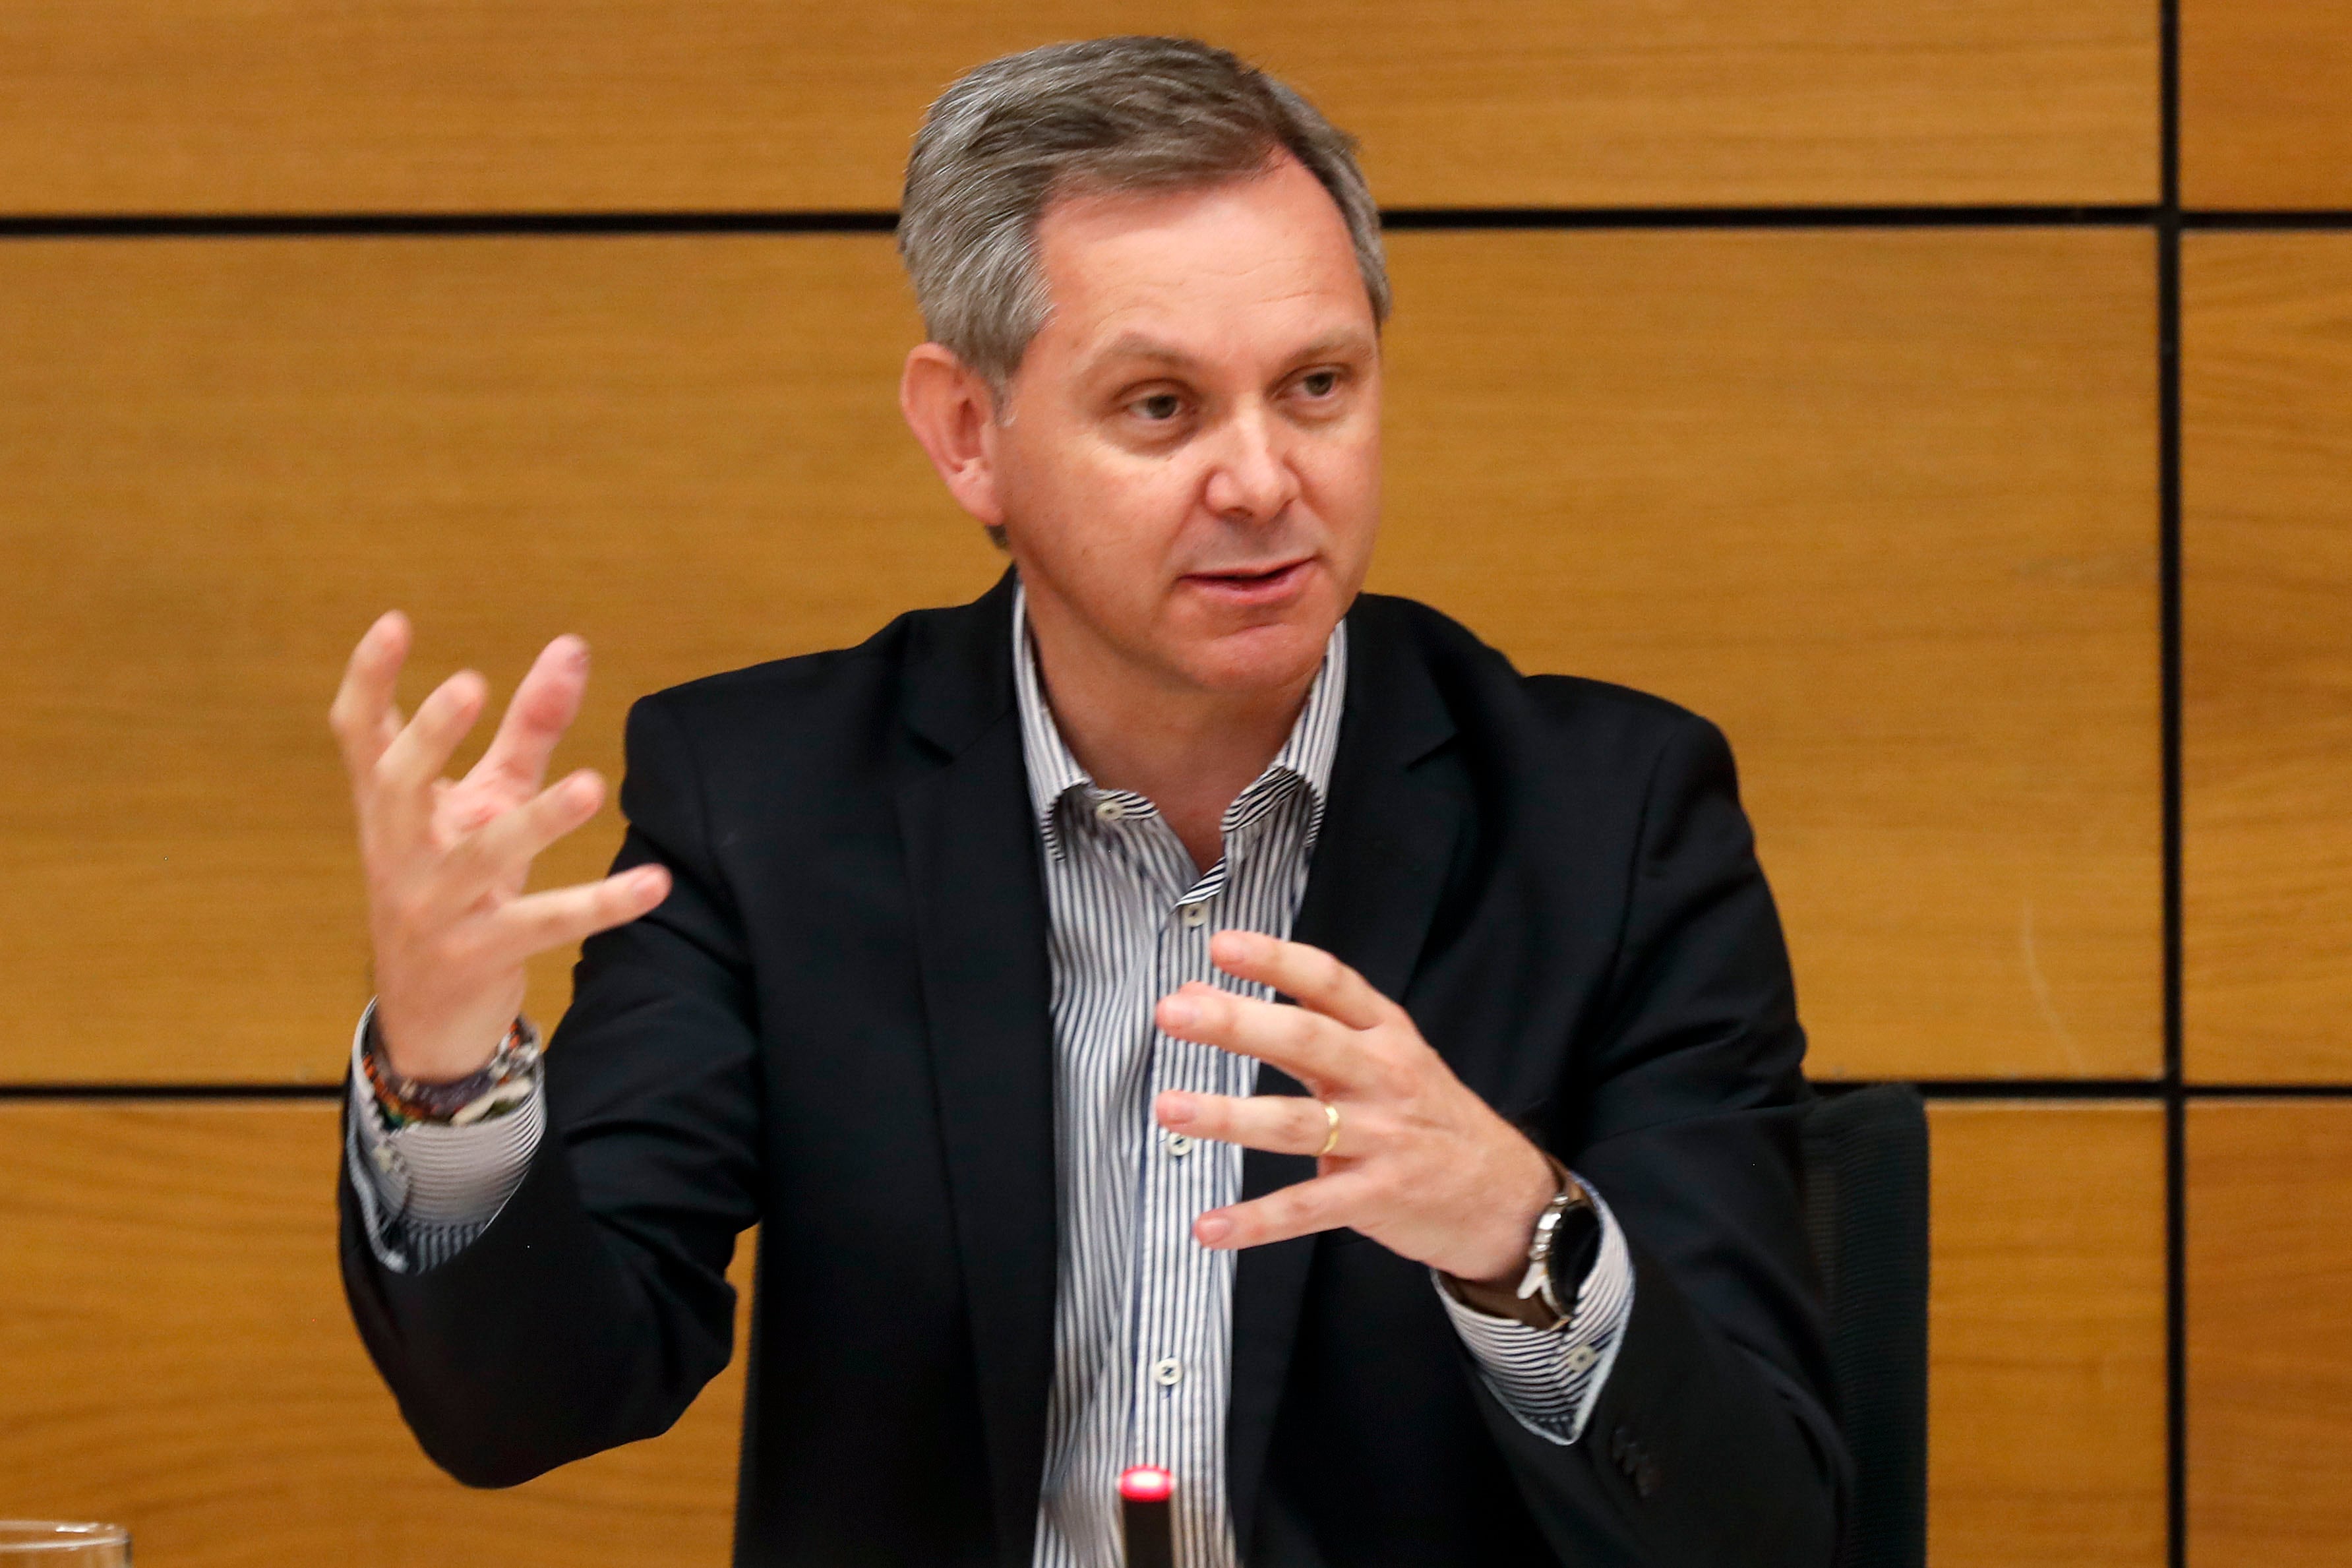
point(1309, 974)
point(544, 706)
point(405, 773)
point(1307, 1045)
point(1277, 1123)
point(501, 850)
point(363, 716)
point(1301, 1209)
point(564, 915)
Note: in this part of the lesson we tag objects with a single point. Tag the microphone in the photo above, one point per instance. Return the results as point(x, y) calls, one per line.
point(1144, 1497)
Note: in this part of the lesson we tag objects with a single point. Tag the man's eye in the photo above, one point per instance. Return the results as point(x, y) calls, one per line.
point(1159, 407)
point(1319, 382)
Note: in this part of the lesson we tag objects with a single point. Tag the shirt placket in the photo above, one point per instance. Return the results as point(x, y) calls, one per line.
point(1184, 1290)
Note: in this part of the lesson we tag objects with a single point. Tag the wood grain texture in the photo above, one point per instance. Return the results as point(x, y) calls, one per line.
point(175, 1355)
point(1882, 505)
point(2046, 1426)
point(2270, 1334)
point(2267, 657)
point(424, 105)
point(2265, 104)
point(227, 458)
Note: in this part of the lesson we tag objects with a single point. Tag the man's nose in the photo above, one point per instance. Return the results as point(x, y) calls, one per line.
point(1250, 478)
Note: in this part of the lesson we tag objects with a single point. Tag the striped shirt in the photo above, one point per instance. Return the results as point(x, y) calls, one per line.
point(1143, 1319)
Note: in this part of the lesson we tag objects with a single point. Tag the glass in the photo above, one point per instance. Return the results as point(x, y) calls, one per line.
point(24, 1544)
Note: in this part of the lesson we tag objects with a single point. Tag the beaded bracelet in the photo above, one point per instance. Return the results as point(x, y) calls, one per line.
point(502, 1084)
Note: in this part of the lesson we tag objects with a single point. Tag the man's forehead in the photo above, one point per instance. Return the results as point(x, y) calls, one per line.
point(1264, 265)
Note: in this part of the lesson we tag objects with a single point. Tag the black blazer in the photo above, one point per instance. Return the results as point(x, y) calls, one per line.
point(837, 1026)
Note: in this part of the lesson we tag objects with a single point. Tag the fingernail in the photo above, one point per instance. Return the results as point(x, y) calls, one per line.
point(1175, 1110)
point(1213, 1229)
point(1181, 1012)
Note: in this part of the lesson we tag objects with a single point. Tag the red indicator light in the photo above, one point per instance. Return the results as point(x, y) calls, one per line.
point(1147, 1483)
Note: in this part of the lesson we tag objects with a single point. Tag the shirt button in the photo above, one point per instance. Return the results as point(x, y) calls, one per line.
point(1580, 1359)
point(1108, 811)
point(1168, 1372)
point(1196, 914)
point(1179, 1145)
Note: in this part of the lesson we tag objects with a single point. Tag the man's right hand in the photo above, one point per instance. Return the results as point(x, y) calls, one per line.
point(447, 859)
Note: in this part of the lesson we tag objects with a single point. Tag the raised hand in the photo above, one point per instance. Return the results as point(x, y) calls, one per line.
point(1420, 1163)
point(447, 860)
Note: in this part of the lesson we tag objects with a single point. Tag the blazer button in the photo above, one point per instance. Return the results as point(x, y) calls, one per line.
point(1646, 1477)
point(1621, 1442)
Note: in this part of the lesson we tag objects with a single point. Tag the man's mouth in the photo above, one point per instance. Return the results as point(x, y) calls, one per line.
point(1255, 584)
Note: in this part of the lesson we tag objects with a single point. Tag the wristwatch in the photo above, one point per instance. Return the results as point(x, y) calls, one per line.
point(1546, 1295)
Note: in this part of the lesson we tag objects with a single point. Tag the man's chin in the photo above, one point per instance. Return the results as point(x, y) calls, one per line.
point(1271, 657)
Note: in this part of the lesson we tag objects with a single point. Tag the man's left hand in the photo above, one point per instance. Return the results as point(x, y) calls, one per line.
point(1422, 1165)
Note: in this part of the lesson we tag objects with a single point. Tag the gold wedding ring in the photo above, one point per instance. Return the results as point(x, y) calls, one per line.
point(1330, 1139)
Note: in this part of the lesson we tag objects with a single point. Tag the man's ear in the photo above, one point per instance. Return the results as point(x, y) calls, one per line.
point(949, 407)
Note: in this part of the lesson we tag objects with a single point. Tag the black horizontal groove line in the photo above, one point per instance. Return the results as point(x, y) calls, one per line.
point(239, 226)
point(2155, 1090)
point(1767, 217)
point(2266, 220)
point(2011, 1087)
point(250, 225)
point(150, 1092)
point(2267, 1091)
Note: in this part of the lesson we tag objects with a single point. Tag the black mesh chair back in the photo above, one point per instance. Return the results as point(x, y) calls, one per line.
point(1866, 1206)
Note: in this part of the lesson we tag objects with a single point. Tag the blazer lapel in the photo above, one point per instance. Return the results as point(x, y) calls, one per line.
point(1380, 864)
point(981, 931)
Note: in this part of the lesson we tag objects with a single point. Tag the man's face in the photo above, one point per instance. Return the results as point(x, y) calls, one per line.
point(1188, 460)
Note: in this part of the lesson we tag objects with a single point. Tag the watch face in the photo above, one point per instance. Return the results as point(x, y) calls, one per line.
point(1573, 1247)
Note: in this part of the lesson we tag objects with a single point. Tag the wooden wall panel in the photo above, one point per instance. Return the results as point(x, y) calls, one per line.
point(226, 457)
point(2267, 657)
point(1882, 504)
point(312, 106)
point(2265, 104)
point(175, 1355)
point(2270, 1334)
point(2046, 1441)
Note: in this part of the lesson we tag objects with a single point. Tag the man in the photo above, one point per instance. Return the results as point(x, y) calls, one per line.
point(1172, 1011)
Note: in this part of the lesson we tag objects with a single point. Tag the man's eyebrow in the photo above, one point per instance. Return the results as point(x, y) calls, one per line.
point(1346, 341)
point(1138, 345)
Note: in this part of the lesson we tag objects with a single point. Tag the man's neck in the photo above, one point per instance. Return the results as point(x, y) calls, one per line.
point(1187, 750)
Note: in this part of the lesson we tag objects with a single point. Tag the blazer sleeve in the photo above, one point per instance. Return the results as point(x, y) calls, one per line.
point(1712, 1440)
point(595, 1306)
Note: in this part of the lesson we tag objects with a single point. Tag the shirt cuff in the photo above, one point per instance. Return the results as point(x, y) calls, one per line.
point(427, 1190)
point(1548, 1378)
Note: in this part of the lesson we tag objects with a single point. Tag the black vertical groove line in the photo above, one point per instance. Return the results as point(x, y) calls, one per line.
point(2169, 522)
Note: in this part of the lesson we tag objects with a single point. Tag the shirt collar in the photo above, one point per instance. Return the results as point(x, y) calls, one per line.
point(1307, 754)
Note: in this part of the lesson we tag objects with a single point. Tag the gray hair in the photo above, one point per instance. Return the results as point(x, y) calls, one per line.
point(1127, 114)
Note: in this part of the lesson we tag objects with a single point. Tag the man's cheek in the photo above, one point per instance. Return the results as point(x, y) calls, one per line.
point(1146, 503)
